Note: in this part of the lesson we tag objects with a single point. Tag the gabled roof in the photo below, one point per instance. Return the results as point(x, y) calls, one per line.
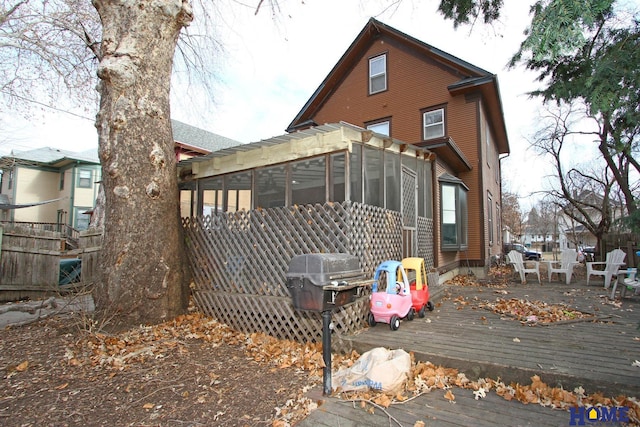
point(193, 137)
point(50, 157)
point(183, 134)
point(475, 78)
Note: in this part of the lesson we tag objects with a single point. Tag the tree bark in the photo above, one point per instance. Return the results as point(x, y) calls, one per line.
point(142, 264)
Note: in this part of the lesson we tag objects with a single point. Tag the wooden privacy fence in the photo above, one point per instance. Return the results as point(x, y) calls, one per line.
point(240, 261)
point(30, 260)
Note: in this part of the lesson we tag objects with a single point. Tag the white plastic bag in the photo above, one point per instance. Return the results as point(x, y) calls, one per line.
point(378, 369)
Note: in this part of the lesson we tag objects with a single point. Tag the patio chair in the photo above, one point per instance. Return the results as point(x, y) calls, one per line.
point(515, 258)
point(609, 268)
point(568, 259)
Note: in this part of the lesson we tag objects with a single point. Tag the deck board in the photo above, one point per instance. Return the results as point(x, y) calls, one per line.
point(596, 355)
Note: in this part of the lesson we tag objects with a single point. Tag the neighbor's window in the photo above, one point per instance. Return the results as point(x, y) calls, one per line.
point(453, 214)
point(84, 178)
point(81, 218)
point(377, 74)
point(62, 180)
point(433, 122)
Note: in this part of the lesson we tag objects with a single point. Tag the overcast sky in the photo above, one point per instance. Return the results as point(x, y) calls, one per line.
point(270, 68)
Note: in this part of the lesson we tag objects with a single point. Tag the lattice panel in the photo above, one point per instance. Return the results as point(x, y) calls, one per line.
point(376, 236)
point(425, 241)
point(240, 261)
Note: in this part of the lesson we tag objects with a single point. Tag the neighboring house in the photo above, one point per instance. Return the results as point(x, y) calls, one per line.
point(67, 180)
point(191, 141)
point(396, 85)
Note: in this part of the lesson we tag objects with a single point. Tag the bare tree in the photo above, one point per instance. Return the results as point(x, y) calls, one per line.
point(582, 193)
point(48, 49)
point(512, 215)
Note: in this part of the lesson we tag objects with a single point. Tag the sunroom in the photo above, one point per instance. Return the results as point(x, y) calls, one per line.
point(248, 210)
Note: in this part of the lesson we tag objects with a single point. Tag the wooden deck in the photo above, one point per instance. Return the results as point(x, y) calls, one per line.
point(459, 333)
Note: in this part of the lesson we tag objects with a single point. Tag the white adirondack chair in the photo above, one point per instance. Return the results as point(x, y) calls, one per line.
point(515, 258)
point(609, 268)
point(568, 259)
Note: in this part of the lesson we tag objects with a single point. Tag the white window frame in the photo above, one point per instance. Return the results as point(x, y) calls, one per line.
point(84, 181)
point(376, 75)
point(383, 128)
point(453, 215)
point(427, 124)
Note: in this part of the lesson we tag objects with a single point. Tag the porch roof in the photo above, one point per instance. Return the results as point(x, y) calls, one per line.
point(291, 146)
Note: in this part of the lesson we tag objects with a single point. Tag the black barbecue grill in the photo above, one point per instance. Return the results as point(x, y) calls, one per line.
point(322, 283)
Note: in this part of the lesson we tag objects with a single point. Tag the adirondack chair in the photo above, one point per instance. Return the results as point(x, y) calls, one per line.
point(609, 268)
point(520, 266)
point(568, 259)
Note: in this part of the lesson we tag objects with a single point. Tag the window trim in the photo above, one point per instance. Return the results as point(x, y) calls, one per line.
point(371, 123)
point(80, 178)
point(490, 217)
point(384, 74)
point(443, 122)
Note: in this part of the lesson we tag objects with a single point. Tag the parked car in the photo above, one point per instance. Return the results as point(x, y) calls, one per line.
point(527, 254)
point(417, 275)
point(589, 253)
point(390, 296)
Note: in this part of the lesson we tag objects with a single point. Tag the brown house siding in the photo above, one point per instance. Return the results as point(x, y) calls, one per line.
point(408, 94)
point(420, 78)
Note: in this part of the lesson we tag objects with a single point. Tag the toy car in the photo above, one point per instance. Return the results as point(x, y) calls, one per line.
point(417, 275)
point(390, 297)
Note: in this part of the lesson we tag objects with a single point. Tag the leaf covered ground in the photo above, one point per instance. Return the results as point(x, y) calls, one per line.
point(194, 371)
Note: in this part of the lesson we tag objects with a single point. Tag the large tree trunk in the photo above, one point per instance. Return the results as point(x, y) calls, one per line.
point(143, 269)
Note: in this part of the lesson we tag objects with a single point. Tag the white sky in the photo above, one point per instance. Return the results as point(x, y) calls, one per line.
point(270, 68)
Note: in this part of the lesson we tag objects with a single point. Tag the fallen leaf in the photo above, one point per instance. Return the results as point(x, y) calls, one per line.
point(516, 339)
point(480, 393)
point(419, 424)
point(62, 386)
point(148, 406)
point(23, 366)
point(449, 396)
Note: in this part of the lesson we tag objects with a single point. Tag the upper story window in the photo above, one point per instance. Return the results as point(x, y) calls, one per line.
point(62, 180)
point(378, 74)
point(433, 123)
point(383, 128)
point(84, 178)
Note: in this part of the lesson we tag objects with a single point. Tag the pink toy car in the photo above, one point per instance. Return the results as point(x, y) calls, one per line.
point(391, 296)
